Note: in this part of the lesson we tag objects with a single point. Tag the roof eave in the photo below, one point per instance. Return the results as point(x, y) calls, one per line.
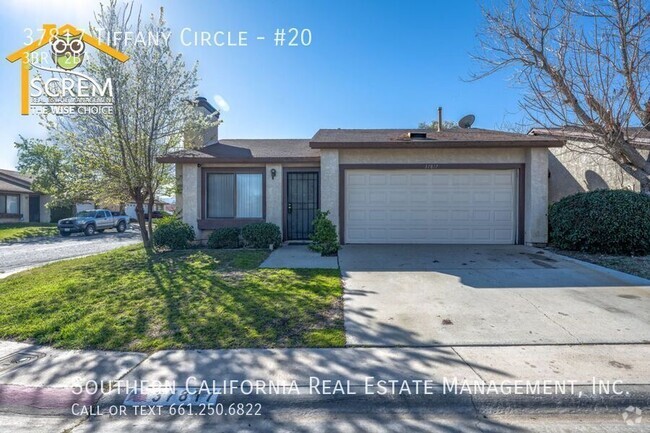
point(213, 160)
point(425, 144)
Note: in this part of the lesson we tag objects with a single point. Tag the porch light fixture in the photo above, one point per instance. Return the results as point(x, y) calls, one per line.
point(273, 173)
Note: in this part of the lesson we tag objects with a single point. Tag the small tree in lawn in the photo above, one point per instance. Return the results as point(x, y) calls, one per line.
point(150, 117)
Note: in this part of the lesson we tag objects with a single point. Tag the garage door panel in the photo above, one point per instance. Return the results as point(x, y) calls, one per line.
point(430, 206)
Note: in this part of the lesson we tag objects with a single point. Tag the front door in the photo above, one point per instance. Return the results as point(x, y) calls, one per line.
point(302, 203)
point(34, 209)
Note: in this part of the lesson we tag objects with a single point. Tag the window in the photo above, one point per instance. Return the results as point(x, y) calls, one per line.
point(9, 204)
point(234, 195)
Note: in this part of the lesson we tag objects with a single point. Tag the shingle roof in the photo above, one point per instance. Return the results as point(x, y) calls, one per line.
point(287, 150)
point(12, 187)
point(399, 138)
point(17, 175)
point(247, 150)
point(637, 134)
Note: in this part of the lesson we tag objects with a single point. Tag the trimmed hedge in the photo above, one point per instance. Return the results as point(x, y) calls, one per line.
point(225, 238)
point(324, 239)
point(603, 221)
point(172, 233)
point(261, 235)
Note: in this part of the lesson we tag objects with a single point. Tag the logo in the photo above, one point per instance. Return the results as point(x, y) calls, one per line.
point(58, 88)
point(632, 415)
point(67, 51)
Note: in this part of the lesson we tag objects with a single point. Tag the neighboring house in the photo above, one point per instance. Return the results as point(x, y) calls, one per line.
point(578, 167)
point(461, 186)
point(18, 202)
point(129, 208)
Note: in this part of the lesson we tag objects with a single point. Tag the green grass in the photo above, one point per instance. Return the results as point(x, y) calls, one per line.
point(17, 231)
point(131, 299)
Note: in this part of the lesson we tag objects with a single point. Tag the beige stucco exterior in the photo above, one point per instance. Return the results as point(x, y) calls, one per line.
point(574, 170)
point(534, 161)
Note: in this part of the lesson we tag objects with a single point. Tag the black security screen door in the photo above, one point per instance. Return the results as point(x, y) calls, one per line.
point(34, 209)
point(302, 203)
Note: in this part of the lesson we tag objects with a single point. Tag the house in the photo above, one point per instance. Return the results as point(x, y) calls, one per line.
point(18, 202)
point(460, 186)
point(578, 167)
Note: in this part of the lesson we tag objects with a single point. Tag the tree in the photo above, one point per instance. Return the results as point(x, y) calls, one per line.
point(446, 124)
point(54, 172)
point(150, 115)
point(582, 64)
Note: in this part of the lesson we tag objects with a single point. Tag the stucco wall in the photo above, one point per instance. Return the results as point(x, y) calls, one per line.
point(274, 204)
point(191, 195)
point(329, 184)
point(536, 186)
point(536, 217)
point(423, 156)
point(274, 195)
point(573, 171)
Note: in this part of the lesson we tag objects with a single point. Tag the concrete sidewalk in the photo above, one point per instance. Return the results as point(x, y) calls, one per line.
point(41, 388)
point(40, 379)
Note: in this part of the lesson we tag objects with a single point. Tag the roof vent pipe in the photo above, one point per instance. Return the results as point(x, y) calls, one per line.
point(439, 119)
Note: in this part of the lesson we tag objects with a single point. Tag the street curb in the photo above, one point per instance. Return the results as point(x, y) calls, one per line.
point(628, 278)
point(59, 401)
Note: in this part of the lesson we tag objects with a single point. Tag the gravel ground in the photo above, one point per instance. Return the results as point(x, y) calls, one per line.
point(18, 256)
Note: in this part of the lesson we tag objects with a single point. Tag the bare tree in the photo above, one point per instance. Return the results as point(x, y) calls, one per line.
point(584, 64)
point(150, 116)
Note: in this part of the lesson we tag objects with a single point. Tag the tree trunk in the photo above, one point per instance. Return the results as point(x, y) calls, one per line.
point(139, 212)
point(150, 222)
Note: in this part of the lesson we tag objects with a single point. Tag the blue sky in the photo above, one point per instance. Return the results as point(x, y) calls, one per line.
point(371, 64)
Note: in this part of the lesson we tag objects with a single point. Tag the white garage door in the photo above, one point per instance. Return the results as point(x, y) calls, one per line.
point(430, 206)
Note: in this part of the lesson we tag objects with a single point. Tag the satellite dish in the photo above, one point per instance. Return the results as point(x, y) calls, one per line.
point(467, 121)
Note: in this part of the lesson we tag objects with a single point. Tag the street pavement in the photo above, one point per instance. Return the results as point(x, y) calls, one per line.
point(22, 255)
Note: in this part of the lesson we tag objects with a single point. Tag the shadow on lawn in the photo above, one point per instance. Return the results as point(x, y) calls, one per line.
point(232, 304)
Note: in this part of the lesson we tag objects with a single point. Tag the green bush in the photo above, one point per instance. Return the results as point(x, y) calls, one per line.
point(61, 212)
point(324, 240)
point(172, 233)
point(261, 235)
point(604, 221)
point(225, 238)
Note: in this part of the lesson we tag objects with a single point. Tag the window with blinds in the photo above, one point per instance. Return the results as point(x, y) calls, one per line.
point(234, 195)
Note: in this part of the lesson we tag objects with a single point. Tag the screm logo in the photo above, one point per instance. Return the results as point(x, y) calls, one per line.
point(65, 91)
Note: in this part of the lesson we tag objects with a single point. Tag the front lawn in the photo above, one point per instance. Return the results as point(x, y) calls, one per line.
point(17, 231)
point(639, 266)
point(130, 299)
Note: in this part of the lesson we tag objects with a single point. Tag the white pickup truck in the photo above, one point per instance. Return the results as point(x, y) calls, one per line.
point(94, 221)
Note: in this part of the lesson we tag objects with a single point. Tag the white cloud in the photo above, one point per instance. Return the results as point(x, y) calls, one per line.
point(221, 103)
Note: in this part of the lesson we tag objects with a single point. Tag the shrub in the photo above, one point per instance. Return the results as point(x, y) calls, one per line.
point(324, 240)
point(261, 235)
point(60, 212)
point(225, 238)
point(604, 221)
point(172, 233)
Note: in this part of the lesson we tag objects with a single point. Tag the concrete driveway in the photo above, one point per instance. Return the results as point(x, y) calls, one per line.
point(417, 295)
point(22, 255)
